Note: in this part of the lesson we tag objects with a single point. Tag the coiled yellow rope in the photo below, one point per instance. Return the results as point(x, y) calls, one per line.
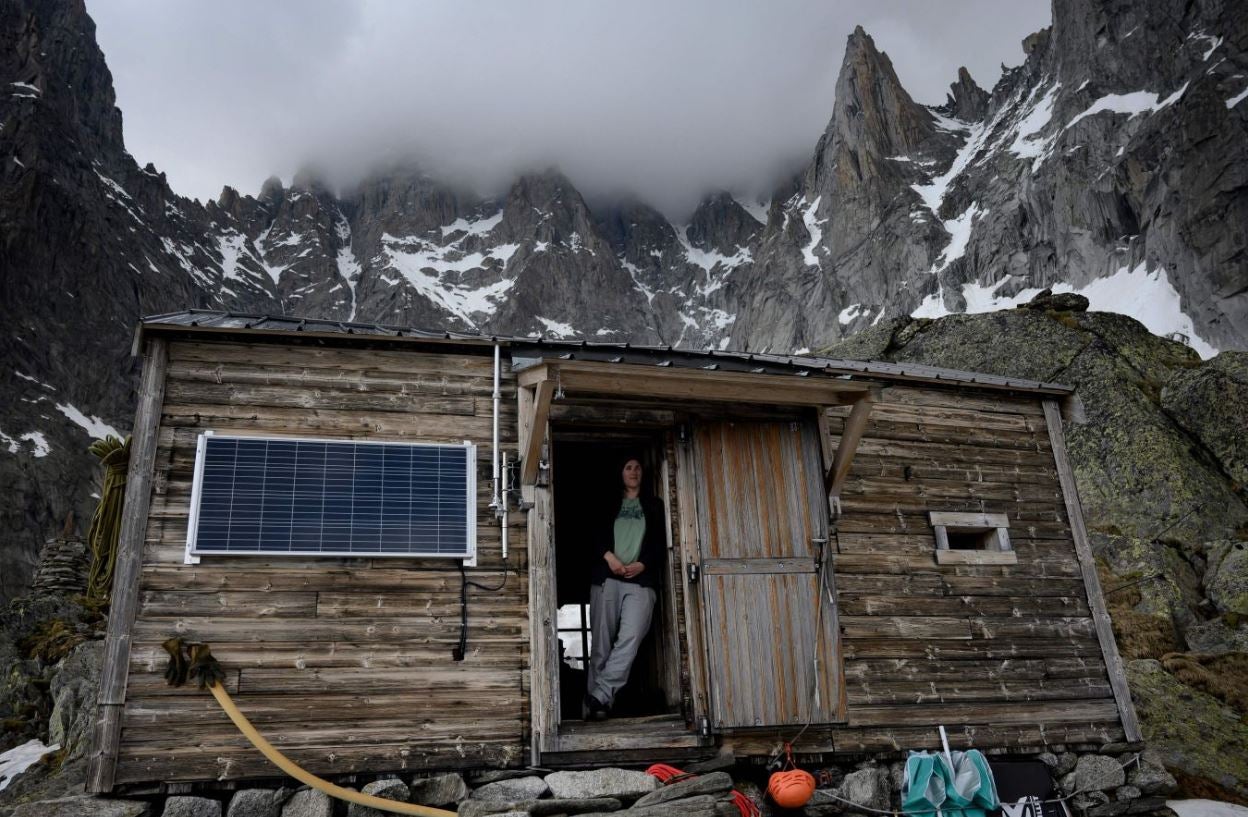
point(303, 776)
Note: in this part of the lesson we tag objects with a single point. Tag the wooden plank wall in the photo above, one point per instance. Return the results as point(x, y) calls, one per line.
point(1002, 655)
point(344, 664)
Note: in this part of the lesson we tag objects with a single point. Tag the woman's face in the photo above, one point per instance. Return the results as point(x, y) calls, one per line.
point(632, 475)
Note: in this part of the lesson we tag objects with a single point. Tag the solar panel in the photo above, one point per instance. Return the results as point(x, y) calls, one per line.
point(277, 496)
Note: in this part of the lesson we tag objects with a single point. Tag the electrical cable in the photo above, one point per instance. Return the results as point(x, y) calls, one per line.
point(307, 778)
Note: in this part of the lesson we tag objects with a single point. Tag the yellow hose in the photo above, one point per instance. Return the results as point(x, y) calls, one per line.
point(288, 766)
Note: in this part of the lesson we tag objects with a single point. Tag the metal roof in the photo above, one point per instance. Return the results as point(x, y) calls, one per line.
point(538, 347)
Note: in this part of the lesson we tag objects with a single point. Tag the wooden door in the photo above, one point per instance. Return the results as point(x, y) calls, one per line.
point(761, 513)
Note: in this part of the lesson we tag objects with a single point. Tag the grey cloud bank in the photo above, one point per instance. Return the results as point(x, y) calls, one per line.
point(664, 100)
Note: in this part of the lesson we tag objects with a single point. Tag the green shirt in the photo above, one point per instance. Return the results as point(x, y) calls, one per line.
point(630, 528)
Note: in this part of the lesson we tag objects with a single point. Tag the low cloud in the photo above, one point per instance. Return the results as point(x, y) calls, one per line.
point(663, 100)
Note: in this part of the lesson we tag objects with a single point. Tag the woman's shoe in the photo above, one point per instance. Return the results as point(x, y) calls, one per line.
point(593, 709)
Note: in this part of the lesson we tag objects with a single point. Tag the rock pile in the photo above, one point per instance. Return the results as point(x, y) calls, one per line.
point(1102, 785)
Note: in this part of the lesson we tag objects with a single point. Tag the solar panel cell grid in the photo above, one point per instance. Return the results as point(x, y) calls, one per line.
point(273, 496)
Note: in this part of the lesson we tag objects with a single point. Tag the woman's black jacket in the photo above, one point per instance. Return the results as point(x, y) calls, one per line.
point(653, 543)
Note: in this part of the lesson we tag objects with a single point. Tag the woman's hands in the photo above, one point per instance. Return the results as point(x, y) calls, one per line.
point(624, 571)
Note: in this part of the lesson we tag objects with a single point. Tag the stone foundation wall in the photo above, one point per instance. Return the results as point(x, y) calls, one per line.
point(1107, 784)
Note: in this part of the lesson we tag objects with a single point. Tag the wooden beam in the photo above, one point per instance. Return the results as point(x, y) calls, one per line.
point(102, 760)
point(855, 427)
point(1087, 565)
point(543, 617)
point(677, 383)
point(536, 425)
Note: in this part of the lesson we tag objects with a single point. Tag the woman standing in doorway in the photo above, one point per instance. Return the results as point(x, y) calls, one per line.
point(630, 545)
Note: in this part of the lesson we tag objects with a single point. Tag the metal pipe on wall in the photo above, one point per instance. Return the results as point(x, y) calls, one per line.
point(494, 502)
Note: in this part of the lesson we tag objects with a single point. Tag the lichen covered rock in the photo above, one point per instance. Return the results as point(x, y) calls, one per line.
point(1191, 732)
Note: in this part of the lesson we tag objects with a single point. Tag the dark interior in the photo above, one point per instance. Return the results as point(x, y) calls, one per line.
point(969, 539)
point(585, 476)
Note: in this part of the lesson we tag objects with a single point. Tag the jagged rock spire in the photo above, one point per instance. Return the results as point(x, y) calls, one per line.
point(967, 101)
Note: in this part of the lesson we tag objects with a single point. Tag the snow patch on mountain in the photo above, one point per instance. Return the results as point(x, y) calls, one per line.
point(1027, 145)
point(1148, 296)
point(556, 328)
point(13, 445)
point(348, 265)
point(814, 230)
point(1132, 104)
point(959, 230)
point(94, 426)
point(709, 259)
point(481, 226)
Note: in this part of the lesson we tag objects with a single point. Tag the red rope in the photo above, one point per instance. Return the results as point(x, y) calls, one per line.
point(670, 774)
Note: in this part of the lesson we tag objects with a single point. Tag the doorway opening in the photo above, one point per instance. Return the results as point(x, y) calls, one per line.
point(586, 469)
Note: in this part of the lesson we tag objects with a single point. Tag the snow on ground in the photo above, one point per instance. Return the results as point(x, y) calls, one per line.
point(757, 208)
point(815, 231)
point(933, 193)
point(20, 758)
point(1132, 104)
point(14, 444)
point(231, 247)
point(94, 426)
point(34, 380)
point(1206, 808)
point(481, 226)
point(634, 272)
point(709, 259)
point(430, 270)
point(1149, 297)
point(1027, 145)
point(556, 328)
point(1238, 98)
point(959, 230)
point(28, 91)
point(1211, 43)
point(850, 313)
point(348, 265)
point(948, 124)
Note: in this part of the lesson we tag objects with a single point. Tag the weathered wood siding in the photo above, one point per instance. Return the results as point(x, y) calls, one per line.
point(1002, 655)
point(344, 664)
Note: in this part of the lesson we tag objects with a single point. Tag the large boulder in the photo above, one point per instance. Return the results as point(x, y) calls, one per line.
point(309, 803)
point(438, 790)
point(1095, 773)
point(1211, 402)
point(388, 789)
point(74, 690)
point(620, 783)
point(191, 807)
point(257, 803)
point(1226, 575)
point(513, 789)
point(1196, 736)
point(83, 806)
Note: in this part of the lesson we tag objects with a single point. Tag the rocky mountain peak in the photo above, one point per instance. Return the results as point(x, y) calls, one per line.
point(872, 109)
point(272, 189)
point(967, 101)
point(721, 224)
point(52, 64)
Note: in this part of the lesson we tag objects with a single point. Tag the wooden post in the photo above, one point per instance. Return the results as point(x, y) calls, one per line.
point(532, 451)
point(102, 760)
point(855, 427)
point(1087, 565)
point(543, 624)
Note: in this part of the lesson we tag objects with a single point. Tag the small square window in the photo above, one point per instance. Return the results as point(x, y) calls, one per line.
point(972, 538)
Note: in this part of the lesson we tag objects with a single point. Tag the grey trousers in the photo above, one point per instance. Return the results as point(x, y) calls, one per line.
point(620, 615)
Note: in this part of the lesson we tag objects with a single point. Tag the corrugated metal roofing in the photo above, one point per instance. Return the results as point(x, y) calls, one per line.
point(637, 354)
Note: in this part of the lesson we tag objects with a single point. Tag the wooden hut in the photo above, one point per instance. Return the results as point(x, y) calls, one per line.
point(858, 553)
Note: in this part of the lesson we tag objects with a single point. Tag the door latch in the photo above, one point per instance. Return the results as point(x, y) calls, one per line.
point(692, 570)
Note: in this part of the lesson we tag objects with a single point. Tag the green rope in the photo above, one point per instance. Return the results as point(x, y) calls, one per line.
point(106, 523)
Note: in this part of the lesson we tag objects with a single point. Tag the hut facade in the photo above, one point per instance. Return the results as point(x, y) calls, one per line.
point(857, 553)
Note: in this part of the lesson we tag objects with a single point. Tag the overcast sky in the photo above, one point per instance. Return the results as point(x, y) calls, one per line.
point(663, 99)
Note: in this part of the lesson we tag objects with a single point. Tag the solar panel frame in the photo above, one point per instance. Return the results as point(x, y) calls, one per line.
point(467, 451)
